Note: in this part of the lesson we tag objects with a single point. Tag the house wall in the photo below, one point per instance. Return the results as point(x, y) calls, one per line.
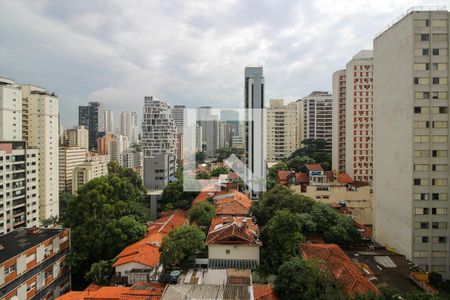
point(236, 252)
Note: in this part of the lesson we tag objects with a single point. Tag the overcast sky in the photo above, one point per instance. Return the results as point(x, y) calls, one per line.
point(184, 52)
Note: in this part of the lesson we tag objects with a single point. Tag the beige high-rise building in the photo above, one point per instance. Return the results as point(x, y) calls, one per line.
point(10, 110)
point(40, 121)
point(69, 158)
point(87, 171)
point(129, 125)
point(284, 130)
point(78, 137)
point(353, 117)
point(108, 120)
point(411, 138)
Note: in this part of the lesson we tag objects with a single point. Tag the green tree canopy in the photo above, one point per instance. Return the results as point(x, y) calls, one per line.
point(180, 244)
point(203, 175)
point(100, 272)
point(225, 153)
point(300, 279)
point(217, 171)
point(315, 150)
point(174, 196)
point(202, 214)
point(200, 157)
point(281, 238)
point(295, 163)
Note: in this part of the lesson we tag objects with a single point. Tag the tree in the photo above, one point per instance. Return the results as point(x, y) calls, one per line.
point(100, 272)
point(300, 279)
point(217, 171)
point(203, 175)
point(200, 157)
point(64, 198)
point(202, 214)
point(297, 162)
point(272, 174)
point(180, 244)
point(315, 150)
point(225, 153)
point(174, 196)
point(281, 238)
point(107, 214)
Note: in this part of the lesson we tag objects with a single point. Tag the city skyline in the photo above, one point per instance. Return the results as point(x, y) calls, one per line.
point(118, 69)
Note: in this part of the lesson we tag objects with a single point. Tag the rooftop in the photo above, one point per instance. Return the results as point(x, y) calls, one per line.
point(233, 230)
point(206, 291)
point(20, 240)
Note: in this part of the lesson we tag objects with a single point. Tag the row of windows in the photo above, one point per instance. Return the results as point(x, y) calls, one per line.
point(434, 196)
point(434, 80)
point(434, 66)
point(434, 138)
point(434, 239)
point(426, 211)
point(434, 124)
point(434, 95)
point(425, 37)
point(433, 23)
point(426, 225)
point(434, 153)
point(434, 167)
point(433, 254)
point(434, 109)
point(426, 181)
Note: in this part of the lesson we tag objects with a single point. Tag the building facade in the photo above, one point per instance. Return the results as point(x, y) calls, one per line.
point(87, 171)
point(159, 133)
point(411, 138)
point(33, 264)
point(10, 110)
point(159, 170)
point(317, 117)
point(338, 134)
point(129, 125)
point(93, 118)
point(69, 158)
point(78, 137)
point(40, 122)
point(108, 121)
point(19, 182)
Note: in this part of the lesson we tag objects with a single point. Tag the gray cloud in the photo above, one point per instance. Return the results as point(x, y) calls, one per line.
point(186, 52)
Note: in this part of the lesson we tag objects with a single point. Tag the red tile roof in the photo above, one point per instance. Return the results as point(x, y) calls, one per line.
point(344, 178)
point(301, 178)
point(312, 167)
point(232, 203)
point(139, 291)
point(282, 176)
point(146, 250)
point(330, 175)
point(350, 279)
point(241, 229)
point(263, 292)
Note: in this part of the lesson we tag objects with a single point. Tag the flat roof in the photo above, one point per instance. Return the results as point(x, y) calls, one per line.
point(20, 240)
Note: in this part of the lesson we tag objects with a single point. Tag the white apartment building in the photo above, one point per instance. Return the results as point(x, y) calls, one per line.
point(317, 116)
point(19, 186)
point(78, 137)
point(87, 171)
point(353, 118)
point(10, 110)
point(338, 132)
point(209, 123)
point(159, 133)
point(178, 112)
point(69, 158)
point(411, 143)
point(129, 125)
point(108, 120)
point(40, 121)
point(284, 130)
point(132, 159)
point(116, 148)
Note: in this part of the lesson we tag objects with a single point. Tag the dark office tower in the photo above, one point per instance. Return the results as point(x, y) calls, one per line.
point(255, 128)
point(83, 116)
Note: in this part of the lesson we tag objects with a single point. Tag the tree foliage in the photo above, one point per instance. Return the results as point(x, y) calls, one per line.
point(305, 279)
point(316, 151)
point(174, 196)
point(100, 272)
point(200, 157)
point(217, 171)
point(225, 153)
point(180, 244)
point(202, 214)
point(107, 214)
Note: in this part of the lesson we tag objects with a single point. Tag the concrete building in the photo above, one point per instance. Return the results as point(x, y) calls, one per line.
point(254, 135)
point(129, 125)
point(210, 131)
point(178, 112)
point(339, 115)
point(69, 158)
point(83, 116)
point(92, 117)
point(87, 171)
point(411, 138)
point(19, 185)
point(108, 121)
point(132, 159)
point(10, 110)
point(40, 130)
point(159, 133)
point(317, 116)
point(283, 129)
point(116, 148)
point(78, 137)
point(104, 142)
point(33, 264)
point(159, 170)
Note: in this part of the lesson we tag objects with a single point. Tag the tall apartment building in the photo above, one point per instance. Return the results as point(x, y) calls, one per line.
point(159, 133)
point(129, 125)
point(117, 146)
point(317, 116)
point(108, 120)
point(40, 130)
point(33, 264)
point(339, 115)
point(19, 186)
point(210, 130)
point(178, 116)
point(87, 171)
point(10, 110)
point(284, 132)
point(411, 146)
point(132, 159)
point(254, 135)
point(353, 117)
point(104, 142)
point(158, 170)
point(69, 158)
point(93, 118)
point(78, 137)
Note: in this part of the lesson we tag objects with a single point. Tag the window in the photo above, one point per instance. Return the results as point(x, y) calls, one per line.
point(439, 196)
point(424, 37)
point(439, 240)
point(438, 254)
point(31, 286)
point(421, 167)
point(439, 66)
point(422, 211)
point(438, 268)
point(439, 23)
point(438, 211)
point(421, 138)
point(439, 138)
point(9, 270)
point(421, 124)
point(439, 225)
point(440, 124)
point(420, 253)
point(227, 251)
point(421, 153)
point(435, 80)
point(421, 239)
point(420, 181)
point(421, 196)
point(425, 51)
point(421, 225)
point(421, 80)
point(435, 51)
point(421, 67)
point(439, 153)
point(439, 109)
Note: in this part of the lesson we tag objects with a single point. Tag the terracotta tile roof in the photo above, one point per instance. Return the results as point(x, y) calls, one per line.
point(146, 250)
point(301, 178)
point(264, 292)
point(241, 229)
point(282, 176)
point(232, 203)
point(349, 277)
point(344, 178)
point(312, 167)
point(139, 291)
point(330, 175)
